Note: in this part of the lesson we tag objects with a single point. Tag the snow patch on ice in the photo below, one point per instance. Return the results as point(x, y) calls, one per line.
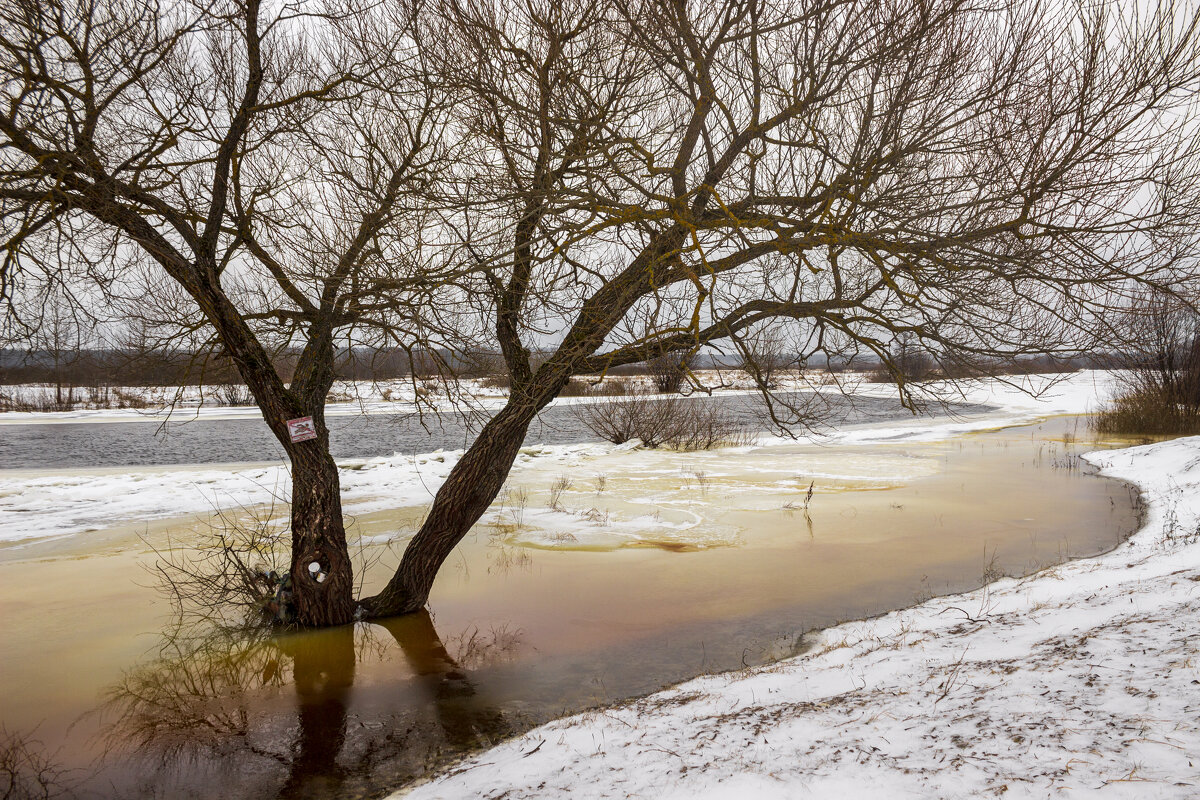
point(596, 529)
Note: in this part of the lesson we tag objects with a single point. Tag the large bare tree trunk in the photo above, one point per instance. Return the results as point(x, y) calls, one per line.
point(322, 575)
point(468, 491)
point(323, 596)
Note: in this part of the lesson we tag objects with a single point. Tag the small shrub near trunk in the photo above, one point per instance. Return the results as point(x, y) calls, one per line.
point(234, 573)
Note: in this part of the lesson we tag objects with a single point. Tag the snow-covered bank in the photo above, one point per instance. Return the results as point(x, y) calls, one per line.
point(184, 403)
point(1080, 681)
point(346, 398)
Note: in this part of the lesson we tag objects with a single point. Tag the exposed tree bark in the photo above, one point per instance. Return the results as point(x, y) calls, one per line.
point(323, 596)
point(469, 489)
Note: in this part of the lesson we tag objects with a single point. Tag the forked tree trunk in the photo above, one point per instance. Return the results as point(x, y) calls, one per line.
point(468, 491)
point(321, 578)
point(322, 596)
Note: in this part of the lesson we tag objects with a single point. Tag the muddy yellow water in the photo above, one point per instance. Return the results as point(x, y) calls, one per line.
point(589, 581)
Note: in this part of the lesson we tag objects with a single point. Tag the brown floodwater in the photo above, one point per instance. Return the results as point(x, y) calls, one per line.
point(589, 583)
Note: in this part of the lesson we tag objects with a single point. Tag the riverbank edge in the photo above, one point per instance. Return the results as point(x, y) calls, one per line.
point(1002, 690)
point(180, 405)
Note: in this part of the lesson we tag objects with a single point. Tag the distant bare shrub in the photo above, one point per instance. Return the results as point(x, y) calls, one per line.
point(36, 399)
point(126, 399)
point(668, 371)
point(1160, 384)
point(676, 423)
point(233, 394)
point(706, 425)
point(881, 375)
point(576, 387)
point(99, 395)
point(500, 380)
point(586, 387)
point(43, 399)
point(631, 416)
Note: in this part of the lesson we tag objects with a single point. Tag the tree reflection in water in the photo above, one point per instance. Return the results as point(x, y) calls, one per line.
point(322, 672)
point(217, 715)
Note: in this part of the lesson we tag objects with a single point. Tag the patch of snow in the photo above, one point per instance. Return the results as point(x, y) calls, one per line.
point(598, 529)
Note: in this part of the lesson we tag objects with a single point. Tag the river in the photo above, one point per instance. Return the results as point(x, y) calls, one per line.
point(180, 440)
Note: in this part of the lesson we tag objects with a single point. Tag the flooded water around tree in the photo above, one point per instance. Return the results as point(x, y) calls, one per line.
point(584, 585)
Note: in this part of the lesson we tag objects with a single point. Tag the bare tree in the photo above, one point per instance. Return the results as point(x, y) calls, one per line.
point(659, 176)
point(631, 178)
point(242, 173)
point(1164, 348)
point(669, 370)
point(59, 344)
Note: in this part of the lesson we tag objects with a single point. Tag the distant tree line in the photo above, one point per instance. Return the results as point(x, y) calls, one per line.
point(114, 367)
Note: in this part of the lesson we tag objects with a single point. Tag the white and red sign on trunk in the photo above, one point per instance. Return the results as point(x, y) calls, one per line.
point(302, 429)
